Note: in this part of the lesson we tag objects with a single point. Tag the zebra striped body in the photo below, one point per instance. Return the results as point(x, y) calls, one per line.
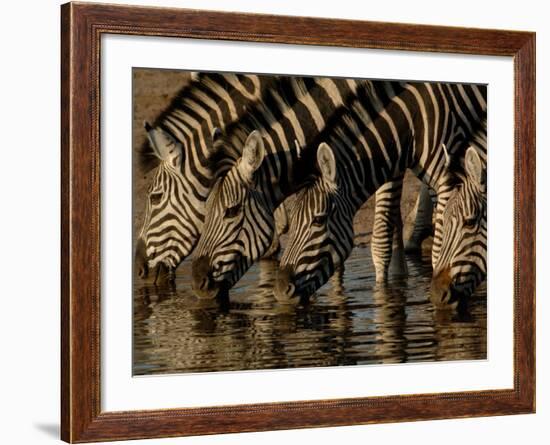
point(462, 261)
point(181, 143)
point(409, 133)
point(273, 140)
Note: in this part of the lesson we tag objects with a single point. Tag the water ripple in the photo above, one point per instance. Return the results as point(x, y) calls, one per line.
point(351, 322)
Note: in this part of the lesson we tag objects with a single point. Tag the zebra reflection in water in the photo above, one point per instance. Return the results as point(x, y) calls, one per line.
point(179, 333)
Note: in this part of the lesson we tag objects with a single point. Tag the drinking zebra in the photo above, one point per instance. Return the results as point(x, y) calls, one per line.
point(181, 143)
point(462, 261)
point(273, 139)
point(410, 133)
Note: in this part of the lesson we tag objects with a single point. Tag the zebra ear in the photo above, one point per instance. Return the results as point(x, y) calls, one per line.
point(216, 134)
point(327, 165)
point(216, 141)
point(447, 156)
point(253, 155)
point(195, 76)
point(164, 146)
point(474, 167)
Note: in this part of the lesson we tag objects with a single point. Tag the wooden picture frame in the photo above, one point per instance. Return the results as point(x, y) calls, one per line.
point(82, 26)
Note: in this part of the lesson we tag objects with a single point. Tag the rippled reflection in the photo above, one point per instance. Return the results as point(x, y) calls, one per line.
point(352, 321)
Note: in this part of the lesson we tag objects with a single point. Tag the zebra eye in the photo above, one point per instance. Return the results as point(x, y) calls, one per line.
point(155, 198)
point(233, 211)
point(319, 220)
point(470, 221)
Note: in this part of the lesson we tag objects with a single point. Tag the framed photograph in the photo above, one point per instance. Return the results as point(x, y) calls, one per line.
point(275, 222)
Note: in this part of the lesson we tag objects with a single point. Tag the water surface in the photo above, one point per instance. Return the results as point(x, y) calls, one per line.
point(351, 321)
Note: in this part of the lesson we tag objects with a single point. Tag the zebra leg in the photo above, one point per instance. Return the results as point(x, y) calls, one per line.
point(422, 226)
point(281, 227)
point(387, 234)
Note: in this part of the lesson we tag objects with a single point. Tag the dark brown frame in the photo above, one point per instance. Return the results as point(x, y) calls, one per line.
point(81, 28)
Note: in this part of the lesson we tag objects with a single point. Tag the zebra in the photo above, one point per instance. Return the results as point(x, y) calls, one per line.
point(239, 211)
point(411, 132)
point(181, 142)
point(462, 261)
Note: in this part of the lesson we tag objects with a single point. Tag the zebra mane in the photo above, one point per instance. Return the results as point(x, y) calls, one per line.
point(224, 156)
point(457, 167)
point(261, 116)
point(146, 156)
point(340, 120)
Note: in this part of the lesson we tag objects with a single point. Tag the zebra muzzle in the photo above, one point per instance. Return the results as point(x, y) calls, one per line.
point(442, 293)
point(140, 264)
point(285, 289)
point(160, 274)
point(202, 283)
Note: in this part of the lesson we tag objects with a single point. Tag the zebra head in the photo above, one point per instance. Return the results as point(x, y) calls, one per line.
point(462, 262)
point(320, 234)
point(173, 213)
point(239, 224)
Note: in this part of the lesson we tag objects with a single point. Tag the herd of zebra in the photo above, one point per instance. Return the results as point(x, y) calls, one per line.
point(241, 159)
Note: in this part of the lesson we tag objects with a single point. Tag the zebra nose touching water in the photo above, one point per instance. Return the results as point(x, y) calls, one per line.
point(217, 268)
point(159, 273)
point(317, 218)
point(462, 262)
point(164, 240)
